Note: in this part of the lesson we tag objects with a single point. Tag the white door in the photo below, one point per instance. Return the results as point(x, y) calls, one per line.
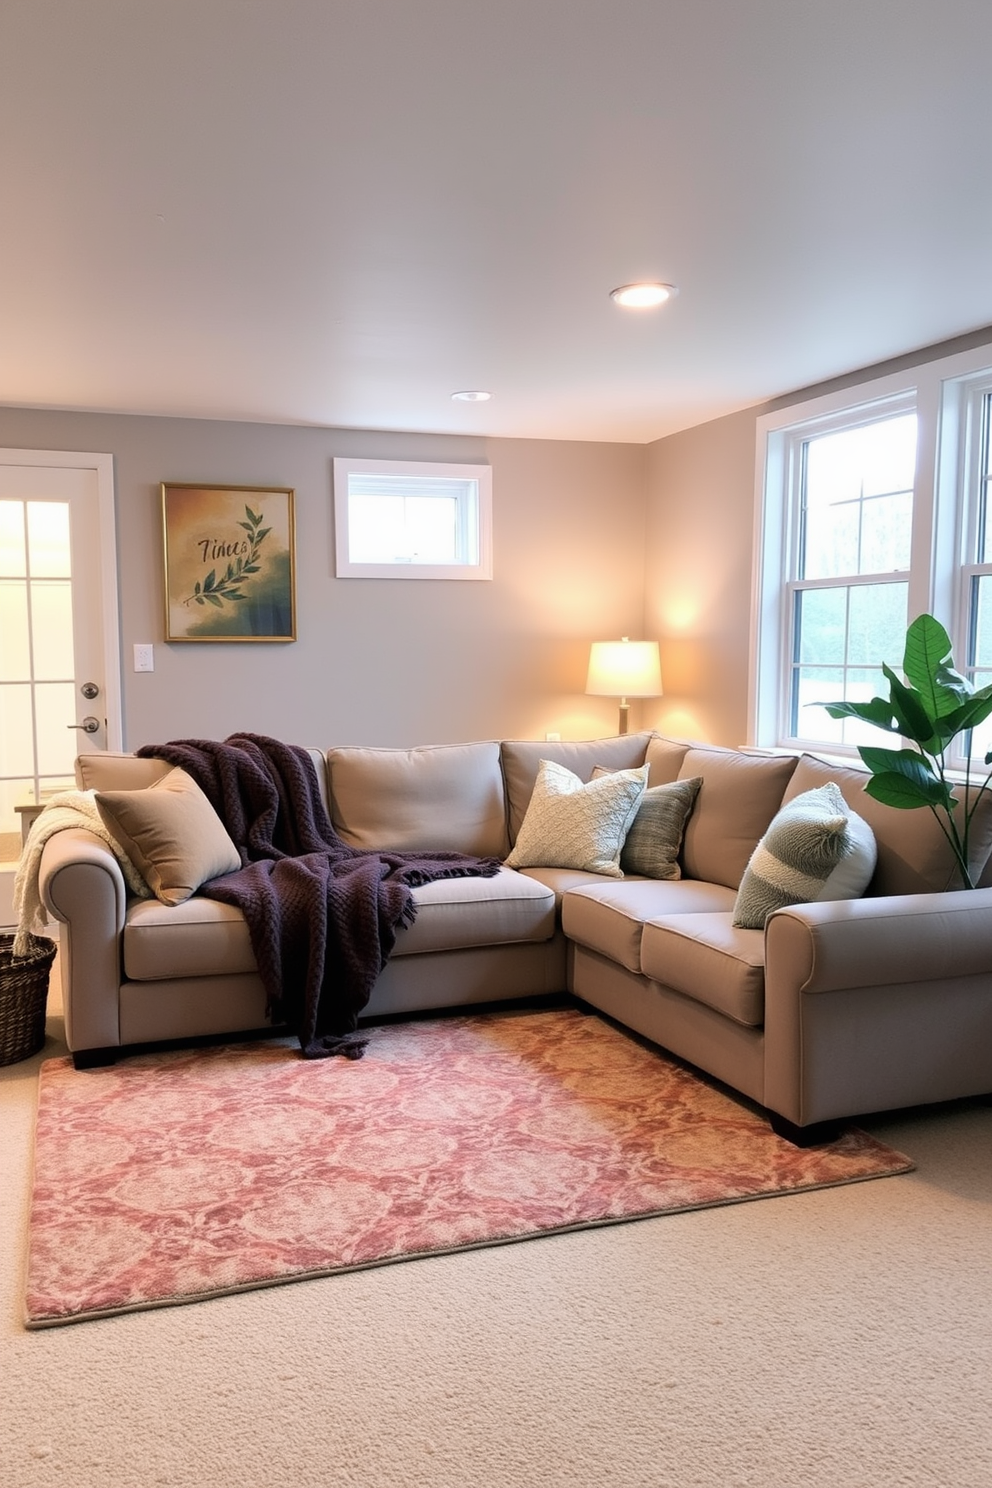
point(59, 647)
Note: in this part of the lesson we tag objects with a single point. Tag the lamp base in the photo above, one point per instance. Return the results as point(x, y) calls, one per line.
point(624, 718)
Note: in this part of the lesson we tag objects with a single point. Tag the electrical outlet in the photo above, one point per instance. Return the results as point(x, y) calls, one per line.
point(552, 738)
point(144, 658)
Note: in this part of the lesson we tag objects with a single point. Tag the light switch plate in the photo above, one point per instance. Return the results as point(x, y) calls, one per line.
point(144, 658)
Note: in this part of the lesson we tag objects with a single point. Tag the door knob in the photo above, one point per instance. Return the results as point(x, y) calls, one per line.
point(90, 690)
point(89, 725)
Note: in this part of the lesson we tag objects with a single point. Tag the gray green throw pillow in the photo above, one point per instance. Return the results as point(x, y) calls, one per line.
point(652, 845)
point(815, 848)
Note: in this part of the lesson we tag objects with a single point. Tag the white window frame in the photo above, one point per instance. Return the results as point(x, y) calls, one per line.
point(945, 395)
point(474, 517)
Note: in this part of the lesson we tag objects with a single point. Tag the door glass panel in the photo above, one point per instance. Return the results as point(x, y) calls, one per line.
point(48, 539)
point(16, 737)
point(55, 704)
point(15, 650)
point(12, 550)
point(51, 622)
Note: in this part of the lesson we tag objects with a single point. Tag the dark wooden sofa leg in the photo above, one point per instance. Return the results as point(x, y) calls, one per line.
point(815, 1135)
point(84, 1059)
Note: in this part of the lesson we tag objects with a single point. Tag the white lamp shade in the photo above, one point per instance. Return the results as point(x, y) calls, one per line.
point(627, 669)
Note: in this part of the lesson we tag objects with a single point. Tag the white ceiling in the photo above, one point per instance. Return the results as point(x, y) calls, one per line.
point(341, 211)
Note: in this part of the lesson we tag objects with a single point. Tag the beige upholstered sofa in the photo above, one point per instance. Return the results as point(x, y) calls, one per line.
point(836, 1009)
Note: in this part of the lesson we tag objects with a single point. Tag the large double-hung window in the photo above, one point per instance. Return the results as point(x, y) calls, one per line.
point(874, 506)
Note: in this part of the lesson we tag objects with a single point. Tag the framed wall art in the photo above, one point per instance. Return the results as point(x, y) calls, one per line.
point(230, 567)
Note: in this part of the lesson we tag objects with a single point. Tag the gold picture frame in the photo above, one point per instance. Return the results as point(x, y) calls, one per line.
point(230, 562)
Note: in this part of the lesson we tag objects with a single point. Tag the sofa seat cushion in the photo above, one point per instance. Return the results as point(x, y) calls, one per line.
point(609, 917)
point(706, 957)
point(204, 938)
point(199, 937)
point(456, 913)
point(560, 880)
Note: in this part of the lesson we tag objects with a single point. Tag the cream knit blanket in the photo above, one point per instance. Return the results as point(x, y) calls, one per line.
point(72, 808)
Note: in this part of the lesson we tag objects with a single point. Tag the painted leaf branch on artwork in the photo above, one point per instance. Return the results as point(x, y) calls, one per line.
point(228, 587)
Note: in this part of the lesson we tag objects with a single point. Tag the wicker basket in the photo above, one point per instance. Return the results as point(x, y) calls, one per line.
point(23, 996)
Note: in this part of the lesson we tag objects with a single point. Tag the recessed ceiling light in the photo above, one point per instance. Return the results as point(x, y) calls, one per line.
point(643, 296)
point(472, 395)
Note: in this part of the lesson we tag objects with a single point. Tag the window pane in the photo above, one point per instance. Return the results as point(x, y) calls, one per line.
point(815, 686)
point(15, 653)
point(981, 591)
point(12, 559)
point(985, 480)
point(432, 529)
point(981, 737)
point(821, 621)
point(886, 533)
point(830, 546)
point(818, 685)
point(877, 624)
point(857, 499)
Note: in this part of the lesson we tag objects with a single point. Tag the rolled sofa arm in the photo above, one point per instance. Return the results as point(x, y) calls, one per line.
point(81, 886)
point(874, 1004)
point(906, 937)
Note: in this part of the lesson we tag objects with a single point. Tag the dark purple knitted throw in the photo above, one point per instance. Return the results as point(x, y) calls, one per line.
point(322, 916)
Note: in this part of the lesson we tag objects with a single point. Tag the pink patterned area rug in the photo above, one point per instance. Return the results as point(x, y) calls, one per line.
point(177, 1176)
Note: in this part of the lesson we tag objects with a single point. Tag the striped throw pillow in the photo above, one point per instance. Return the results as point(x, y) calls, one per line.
point(815, 848)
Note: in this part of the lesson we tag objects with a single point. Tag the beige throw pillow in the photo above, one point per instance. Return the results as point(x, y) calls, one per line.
point(171, 833)
point(571, 825)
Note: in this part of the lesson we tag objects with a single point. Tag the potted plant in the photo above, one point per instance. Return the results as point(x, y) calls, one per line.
point(932, 706)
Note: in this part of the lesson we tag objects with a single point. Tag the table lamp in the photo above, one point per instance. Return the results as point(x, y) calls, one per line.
point(624, 669)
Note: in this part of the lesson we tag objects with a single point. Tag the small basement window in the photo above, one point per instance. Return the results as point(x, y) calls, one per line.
point(395, 519)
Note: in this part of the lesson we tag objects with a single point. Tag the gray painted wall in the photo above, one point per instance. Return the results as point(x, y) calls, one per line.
point(386, 662)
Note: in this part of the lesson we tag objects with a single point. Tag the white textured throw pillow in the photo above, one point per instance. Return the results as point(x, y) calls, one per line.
point(571, 825)
point(816, 848)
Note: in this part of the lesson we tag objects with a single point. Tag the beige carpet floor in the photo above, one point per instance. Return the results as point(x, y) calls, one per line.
point(836, 1339)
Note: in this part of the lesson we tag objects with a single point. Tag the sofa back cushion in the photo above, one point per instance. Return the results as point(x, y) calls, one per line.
point(522, 758)
point(739, 795)
point(913, 855)
point(664, 758)
point(438, 798)
point(108, 770)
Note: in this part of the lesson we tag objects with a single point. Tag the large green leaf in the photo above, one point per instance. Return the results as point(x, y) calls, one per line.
point(919, 786)
point(878, 712)
point(971, 713)
point(927, 664)
point(911, 710)
point(897, 790)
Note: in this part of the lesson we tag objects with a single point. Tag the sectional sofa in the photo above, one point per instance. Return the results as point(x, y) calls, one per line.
point(834, 1009)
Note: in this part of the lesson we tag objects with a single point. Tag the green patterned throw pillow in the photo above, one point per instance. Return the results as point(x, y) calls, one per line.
point(652, 846)
point(815, 848)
